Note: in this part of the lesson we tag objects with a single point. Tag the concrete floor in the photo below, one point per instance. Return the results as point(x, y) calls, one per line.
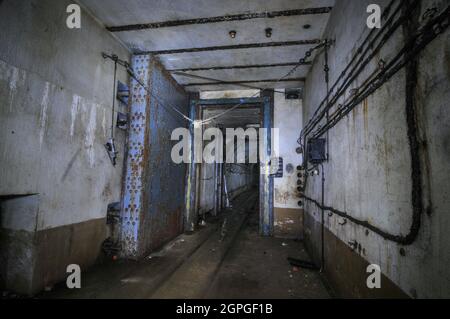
point(224, 259)
point(257, 267)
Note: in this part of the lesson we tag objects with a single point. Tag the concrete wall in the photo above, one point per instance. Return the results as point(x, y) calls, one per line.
point(288, 216)
point(369, 170)
point(239, 178)
point(55, 111)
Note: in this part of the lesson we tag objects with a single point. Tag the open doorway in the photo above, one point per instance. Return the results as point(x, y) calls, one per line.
point(240, 167)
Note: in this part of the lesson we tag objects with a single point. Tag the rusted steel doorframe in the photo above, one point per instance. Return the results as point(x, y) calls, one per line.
point(266, 218)
point(266, 181)
point(190, 219)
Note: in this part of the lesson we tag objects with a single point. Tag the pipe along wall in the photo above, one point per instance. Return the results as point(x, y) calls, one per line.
point(388, 157)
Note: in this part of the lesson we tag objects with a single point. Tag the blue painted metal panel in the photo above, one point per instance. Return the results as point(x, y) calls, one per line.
point(153, 196)
point(131, 211)
point(165, 180)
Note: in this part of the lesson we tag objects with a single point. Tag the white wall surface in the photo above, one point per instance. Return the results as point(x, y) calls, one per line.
point(369, 172)
point(288, 119)
point(55, 111)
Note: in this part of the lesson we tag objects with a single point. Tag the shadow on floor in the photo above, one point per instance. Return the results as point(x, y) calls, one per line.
point(224, 259)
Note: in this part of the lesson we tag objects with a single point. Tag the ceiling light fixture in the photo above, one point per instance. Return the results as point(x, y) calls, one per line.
point(232, 34)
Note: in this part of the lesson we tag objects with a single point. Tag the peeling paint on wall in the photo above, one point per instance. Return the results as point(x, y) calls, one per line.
point(369, 171)
point(13, 86)
point(73, 113)
point(48, 104)
point(43, 117)
point(90, 134)
point(104, 125)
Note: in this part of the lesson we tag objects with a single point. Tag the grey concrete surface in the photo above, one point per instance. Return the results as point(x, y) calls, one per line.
point(57, 180)
point(55, 111)
point(213, 262)
point(114, 13)
point(369, 171)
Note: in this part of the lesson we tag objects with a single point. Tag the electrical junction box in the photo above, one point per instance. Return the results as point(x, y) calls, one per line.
point(316, 150)
point(293, 94)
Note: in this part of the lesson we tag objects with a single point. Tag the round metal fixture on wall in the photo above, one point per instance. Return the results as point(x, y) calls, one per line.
point(289, 168)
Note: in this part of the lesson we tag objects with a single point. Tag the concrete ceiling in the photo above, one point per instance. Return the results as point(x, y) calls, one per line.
point(119, 13)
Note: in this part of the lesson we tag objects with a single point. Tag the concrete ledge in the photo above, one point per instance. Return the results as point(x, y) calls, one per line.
point(34, 260)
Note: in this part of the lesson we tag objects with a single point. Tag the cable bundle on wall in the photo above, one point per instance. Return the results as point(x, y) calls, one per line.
point(416, 40)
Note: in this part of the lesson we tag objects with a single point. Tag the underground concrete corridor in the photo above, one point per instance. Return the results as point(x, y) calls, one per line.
point(221, 260)
point(242, 149)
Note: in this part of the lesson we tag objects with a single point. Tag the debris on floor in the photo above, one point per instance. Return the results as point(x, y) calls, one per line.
point(302, 263)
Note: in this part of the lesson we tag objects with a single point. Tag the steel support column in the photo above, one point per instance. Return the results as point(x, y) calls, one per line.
point(191, 176)
point(266, 180)
point(137, 152)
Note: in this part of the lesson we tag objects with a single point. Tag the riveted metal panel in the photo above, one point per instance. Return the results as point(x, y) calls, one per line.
point(131, 211)
point(165, 191)
point(153, 199)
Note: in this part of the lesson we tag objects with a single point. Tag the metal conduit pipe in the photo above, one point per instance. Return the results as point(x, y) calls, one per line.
point(417, 41)
point(360, 66)
point(363, 49)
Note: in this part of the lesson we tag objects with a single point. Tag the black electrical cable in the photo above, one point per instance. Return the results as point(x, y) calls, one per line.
point(326, 69)
point(360, 66)
point(362, 50)
point(114, 98)
point(322, 217)
point(301, 61)
point(415, 44)
point(130, 72)
point(359, 51)
point(315, 119)
point(350, 80)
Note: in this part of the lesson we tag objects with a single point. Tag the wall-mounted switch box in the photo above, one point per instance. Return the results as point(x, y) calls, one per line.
point(316, 150)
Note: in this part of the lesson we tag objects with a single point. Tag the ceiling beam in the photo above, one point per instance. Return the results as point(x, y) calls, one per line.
point(244, 82)
point(217, 80)
point(233, 47)
point(226, 18)
point(248, 66)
